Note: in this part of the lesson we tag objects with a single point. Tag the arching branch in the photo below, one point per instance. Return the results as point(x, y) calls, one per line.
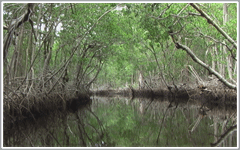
point(197, 60)
point(210, 21)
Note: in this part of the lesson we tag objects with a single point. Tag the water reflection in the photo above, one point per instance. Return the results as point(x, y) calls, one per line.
point(121, 121)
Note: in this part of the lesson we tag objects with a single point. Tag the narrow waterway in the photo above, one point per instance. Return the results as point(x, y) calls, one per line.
point(122, 121)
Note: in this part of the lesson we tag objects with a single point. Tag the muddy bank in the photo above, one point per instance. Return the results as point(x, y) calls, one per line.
point(44, 123)
point(199, 93)
point(36, 110)
point(41, 105)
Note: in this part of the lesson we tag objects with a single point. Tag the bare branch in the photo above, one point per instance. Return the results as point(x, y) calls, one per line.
point(165, 10)
point(193, 14)
point(180, 13)
point(159, 17)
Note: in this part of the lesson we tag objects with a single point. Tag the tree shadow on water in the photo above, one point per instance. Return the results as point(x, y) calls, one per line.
point(71, 128)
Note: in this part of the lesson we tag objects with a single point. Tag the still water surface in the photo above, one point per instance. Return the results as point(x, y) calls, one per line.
point(122, 121)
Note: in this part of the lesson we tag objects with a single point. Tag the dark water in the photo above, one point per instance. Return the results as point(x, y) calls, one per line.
point(119, 121)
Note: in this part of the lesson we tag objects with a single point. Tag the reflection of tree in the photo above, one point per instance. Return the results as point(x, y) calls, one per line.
point(196, 123)
point(201, 114)
point(224, 136)
point(82, 128)
point(163, 119)
point(142, 106)
point(119, 124)
point(170, 122)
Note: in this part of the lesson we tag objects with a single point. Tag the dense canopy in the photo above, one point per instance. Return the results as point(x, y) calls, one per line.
point(106, 44)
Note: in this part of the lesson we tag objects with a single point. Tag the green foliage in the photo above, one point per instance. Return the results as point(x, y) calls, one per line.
point(127, 41)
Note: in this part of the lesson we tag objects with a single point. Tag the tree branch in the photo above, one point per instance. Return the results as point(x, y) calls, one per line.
point(210, 21)
point(76, 47)
point(163, 12)
point(197, 60)
point(16, 23)
point(216, 41)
